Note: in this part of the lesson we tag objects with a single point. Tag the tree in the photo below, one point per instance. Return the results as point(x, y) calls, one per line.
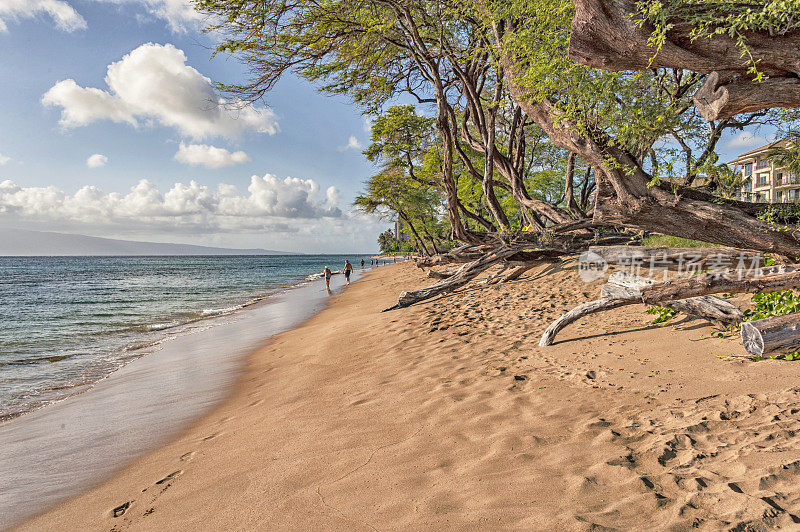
point(392, 193)
point(387, 242)
point(604, 119)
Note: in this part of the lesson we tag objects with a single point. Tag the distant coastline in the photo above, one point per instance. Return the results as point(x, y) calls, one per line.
point(27, 243)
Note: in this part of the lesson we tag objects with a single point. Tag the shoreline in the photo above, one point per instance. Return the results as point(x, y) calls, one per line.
point(162, 393)
point(447, 414)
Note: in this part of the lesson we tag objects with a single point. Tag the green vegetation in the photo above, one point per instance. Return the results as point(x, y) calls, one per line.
point(507, 132)
point(734, 18)
point(662, 314)
point(673, 242)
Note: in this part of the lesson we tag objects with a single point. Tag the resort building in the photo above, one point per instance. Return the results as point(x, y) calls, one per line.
point(765, 182)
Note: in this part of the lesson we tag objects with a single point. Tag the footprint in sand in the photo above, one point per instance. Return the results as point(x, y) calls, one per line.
point(211, 437)
point(169, 477)
point(120, 510)
point(185, 457)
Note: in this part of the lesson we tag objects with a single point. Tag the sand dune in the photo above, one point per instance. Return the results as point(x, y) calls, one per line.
point(448, 415)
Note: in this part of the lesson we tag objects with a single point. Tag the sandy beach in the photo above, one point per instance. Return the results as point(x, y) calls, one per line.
point(448, 415)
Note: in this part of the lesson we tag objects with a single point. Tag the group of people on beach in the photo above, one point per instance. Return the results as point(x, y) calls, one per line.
point(348, 269)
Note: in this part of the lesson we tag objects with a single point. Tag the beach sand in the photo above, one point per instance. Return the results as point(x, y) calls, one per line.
point(448, 415)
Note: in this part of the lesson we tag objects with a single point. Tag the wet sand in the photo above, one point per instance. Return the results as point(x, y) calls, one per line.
point(448, 415)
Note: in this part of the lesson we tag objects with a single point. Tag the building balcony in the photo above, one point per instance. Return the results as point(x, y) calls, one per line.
point(787, 180)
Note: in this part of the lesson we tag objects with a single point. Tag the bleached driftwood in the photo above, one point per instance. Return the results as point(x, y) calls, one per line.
point(779, 334)
point(623, 289)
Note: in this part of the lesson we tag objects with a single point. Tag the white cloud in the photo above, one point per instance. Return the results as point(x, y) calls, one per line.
point(746, 140)
point(96, 161)
point(154, 83)
point(179, 14)
point(352, 144)
point(332, 195)
point(63, 15)
point(4, 159)
point(367, 124)
point(209, 156)
point(193, 207)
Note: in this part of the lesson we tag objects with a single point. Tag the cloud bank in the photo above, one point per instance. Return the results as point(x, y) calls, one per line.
point(153, 84)
point(209, 156)
point(193, 207)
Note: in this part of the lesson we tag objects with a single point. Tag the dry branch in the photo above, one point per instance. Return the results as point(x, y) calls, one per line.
point(623, 289)
point(457, 280)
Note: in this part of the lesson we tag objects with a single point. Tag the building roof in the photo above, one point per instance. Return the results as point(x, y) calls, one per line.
point(751, 153)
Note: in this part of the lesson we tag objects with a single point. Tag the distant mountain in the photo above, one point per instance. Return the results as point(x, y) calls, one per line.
point(24, 242)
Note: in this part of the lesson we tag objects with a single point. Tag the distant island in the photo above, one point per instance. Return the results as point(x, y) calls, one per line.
point(21, 242)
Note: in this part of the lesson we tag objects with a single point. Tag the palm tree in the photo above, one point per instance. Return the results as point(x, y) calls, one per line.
point(787, 156)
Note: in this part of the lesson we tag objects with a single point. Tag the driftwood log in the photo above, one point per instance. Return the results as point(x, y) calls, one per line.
point(780, 334)
point(623, 289)
point(457, 280)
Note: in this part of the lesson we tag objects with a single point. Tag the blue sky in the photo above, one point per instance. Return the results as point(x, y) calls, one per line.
point(47, 141)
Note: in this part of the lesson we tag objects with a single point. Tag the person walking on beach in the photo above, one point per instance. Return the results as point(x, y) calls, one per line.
point(362, 264)
point(328, 274)
point(348, 268)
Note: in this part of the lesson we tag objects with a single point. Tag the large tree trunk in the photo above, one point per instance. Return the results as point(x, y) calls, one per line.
point(624, 197)
point(605, 34)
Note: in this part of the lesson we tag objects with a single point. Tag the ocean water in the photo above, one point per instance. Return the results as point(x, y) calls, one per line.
point(68, 322)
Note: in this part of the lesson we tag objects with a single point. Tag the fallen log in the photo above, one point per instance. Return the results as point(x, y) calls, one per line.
point(623, 289)
point(779, 334)
point(715, 284)
point(462, 277)
point(432, 274)
point(577, 313)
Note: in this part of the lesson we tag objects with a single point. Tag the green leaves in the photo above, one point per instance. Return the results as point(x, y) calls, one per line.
point(771, 304)
point(733, 18)
point(662, 314)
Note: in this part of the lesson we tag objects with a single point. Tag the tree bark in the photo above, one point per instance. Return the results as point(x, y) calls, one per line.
point(779, 334)
point(569, 188)
point(604, 34)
